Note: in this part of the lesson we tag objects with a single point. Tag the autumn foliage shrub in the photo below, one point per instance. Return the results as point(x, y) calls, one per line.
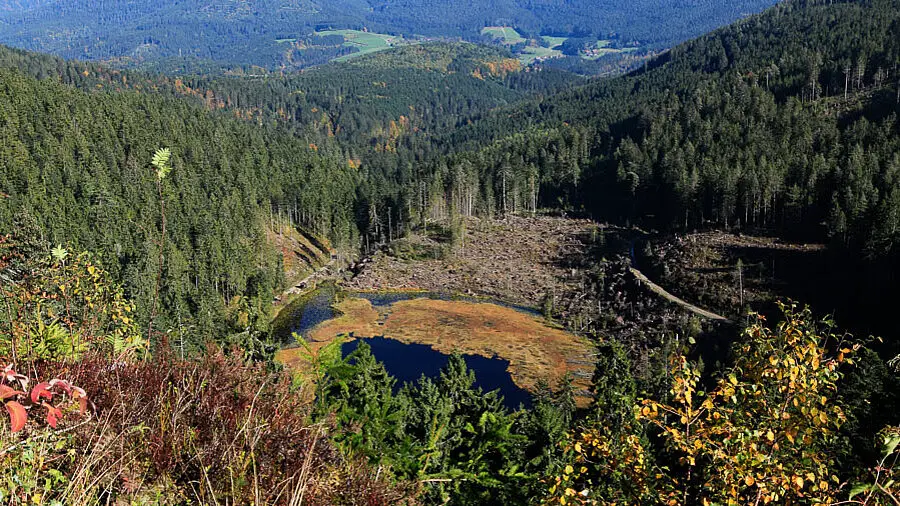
point(62, 306)
point(216, 429)
point(212, 430)
point(765, 433)
point(142, 429)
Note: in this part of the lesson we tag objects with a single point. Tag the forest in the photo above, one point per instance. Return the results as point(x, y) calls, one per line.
point(135, 212)
point(784, 123)
point(247, 33)
point(76, 174)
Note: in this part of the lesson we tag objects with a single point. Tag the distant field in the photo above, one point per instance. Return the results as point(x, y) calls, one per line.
point(508, 34)
point(602, 49)
point(366, 42)
point(510, 37)
point(554, 41)
point(530, 54)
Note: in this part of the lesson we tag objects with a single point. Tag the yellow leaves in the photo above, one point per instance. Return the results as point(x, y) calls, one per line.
point(578, 447)
point(569, 470)
point(755, 434)
point(649, 411)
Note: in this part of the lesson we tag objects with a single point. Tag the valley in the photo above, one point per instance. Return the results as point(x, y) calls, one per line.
point(547, 47)
point(196, 37)
point(377, 253)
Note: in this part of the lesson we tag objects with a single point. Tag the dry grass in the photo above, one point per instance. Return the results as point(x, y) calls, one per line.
point(209, 431)
point(534, 350)
point(301, 257)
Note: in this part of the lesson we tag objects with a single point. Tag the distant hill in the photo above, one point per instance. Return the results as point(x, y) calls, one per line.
point(270, 33)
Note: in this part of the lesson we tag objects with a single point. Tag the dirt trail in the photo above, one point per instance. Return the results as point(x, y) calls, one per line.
point(668, 296)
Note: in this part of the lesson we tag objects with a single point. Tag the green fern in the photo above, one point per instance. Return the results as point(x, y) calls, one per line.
point(161, 162)
point(59, 253)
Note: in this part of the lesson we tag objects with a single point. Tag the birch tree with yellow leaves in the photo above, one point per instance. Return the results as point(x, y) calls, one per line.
point(764, 434)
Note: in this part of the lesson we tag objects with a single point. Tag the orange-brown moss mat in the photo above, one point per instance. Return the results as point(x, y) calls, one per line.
point(534, 350)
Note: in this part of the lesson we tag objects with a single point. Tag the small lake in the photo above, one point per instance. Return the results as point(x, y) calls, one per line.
point(409, 362)
point(316, 307)
point(406, 362)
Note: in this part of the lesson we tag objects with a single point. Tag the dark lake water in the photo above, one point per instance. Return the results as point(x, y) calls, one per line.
point(406, 362)
point(409, 362)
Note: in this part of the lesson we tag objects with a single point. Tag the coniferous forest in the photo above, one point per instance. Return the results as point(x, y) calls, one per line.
point(254, 33)
point(157, 230)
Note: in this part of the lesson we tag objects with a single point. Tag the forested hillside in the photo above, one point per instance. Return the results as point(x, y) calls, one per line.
point(786, 122)
point(257, 33)
point(76, 170)
point(317, 149)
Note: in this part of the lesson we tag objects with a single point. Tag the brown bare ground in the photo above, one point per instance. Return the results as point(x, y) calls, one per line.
point(518, 259)
point(702, 268)
point(301, 257)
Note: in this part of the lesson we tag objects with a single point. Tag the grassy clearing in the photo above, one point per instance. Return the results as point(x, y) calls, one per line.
point(602, 49)
point(553, 42)
point(508, 34)
point(366, 42)
point(531, 54)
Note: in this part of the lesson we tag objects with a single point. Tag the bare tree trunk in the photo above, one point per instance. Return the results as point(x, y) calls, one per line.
point(504, 192)
point(846, 81)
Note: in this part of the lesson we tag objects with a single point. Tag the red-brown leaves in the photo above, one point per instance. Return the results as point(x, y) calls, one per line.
point(43, 395)
point(41, 390)
point(8, 393)
point(53, 414)
point(229, 415)
point(11, 376)
point(17, 415)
